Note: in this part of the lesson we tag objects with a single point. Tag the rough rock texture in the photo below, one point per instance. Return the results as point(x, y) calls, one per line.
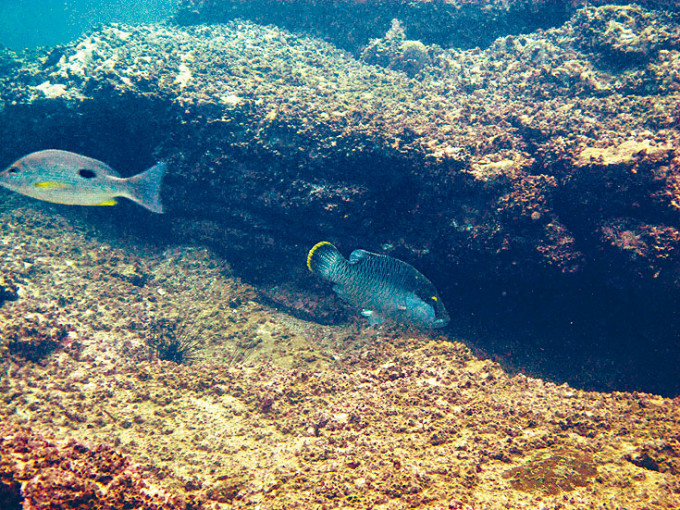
point(39, 473)
point(535, 182)
point(276, 412)
point(350, 24)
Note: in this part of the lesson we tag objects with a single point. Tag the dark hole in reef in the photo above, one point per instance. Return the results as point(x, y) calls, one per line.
point(10, 496)
point(86, 173)
point(8, 291)
point(662, 457)
point(571, 330)
point(644, 460)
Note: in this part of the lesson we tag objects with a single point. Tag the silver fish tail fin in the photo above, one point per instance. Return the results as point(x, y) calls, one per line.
point(325, 260)
point(144, 188)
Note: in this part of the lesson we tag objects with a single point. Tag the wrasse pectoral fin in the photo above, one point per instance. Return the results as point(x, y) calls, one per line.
point(373, 318)
point(111, 201)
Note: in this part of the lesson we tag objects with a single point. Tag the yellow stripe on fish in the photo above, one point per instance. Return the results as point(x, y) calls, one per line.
point(50, 185)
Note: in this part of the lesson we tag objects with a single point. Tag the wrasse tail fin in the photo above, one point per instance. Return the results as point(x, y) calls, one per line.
point(323, 259)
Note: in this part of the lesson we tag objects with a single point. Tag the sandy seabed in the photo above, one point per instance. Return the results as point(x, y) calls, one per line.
point(271, 411)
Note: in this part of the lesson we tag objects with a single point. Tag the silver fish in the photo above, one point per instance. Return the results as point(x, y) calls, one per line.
point(67, 178)
point(384, 287)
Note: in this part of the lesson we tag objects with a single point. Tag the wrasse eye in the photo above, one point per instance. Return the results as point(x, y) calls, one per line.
point(13, 170)
point(87, 174)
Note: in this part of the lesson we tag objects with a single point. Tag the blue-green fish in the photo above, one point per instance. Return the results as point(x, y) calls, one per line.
point(67, 178)
point(383, 287)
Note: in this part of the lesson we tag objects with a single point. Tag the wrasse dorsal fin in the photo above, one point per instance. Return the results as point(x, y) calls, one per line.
point(357, 255)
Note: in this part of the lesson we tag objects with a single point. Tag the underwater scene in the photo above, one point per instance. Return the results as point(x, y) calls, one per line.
point(339, 254)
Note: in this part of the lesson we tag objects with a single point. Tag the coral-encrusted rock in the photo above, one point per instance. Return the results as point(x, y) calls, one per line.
point(627, 35)
point(41, 473)
point(33, 334)
point(396, 52)
point(8, 290)
point(350, 24)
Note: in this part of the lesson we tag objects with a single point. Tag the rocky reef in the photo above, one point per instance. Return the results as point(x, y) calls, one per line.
point(274, 411)
point(534, 181)
point(531, 173)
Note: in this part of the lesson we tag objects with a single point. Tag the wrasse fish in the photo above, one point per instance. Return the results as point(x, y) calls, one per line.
point(382, 286)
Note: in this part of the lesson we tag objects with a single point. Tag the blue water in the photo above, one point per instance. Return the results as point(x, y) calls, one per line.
point(31, 23)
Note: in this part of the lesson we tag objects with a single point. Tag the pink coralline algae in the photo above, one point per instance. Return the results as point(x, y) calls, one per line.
point(38, 473)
